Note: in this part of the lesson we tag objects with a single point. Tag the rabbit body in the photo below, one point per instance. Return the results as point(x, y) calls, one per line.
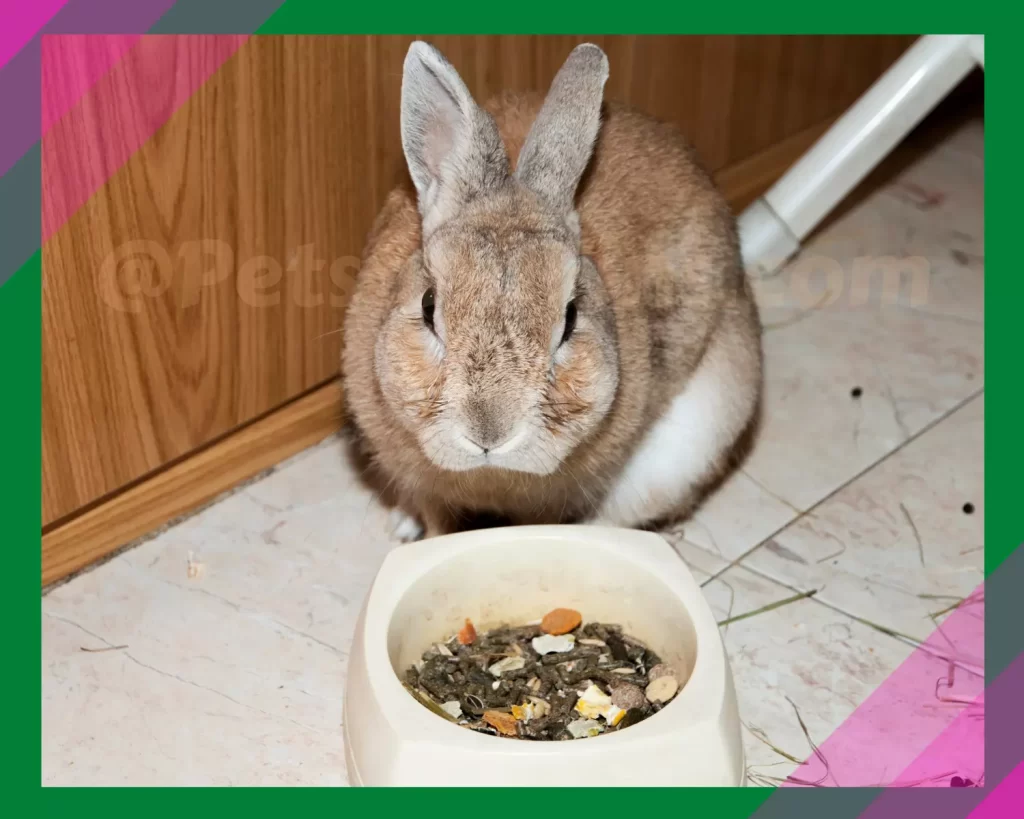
point(555, 326)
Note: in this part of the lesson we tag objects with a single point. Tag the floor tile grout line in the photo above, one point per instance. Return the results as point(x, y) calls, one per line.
point(771, 493)
point(885, 631)
point(810, 509)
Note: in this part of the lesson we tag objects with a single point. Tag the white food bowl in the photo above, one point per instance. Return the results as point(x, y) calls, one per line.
point(424, 592)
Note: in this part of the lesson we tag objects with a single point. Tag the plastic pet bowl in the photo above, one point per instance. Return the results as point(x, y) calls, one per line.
point(424, 592)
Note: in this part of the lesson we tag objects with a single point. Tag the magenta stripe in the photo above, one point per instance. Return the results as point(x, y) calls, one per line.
point(1006, 801)
point(1003, 746)
point(958, 751)
point(88, 145)
point(67, 80)
point(20, 93)
point(885, 736)
point(21, 22)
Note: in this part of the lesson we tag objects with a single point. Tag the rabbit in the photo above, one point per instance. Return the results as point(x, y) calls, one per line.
point(554, 324)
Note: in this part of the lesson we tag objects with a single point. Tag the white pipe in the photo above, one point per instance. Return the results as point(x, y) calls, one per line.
point(977, 47)
point(772, 228)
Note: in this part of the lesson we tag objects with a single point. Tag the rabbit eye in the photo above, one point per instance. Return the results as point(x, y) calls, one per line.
point(570, 321)
point(428, 308)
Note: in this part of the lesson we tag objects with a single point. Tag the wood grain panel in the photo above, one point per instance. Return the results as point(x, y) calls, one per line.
point(203, 285)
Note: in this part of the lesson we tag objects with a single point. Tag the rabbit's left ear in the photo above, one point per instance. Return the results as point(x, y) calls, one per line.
point(452, 146)
point(559, 144)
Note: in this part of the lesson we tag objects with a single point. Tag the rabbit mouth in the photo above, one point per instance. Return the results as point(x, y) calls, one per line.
point(509, 445)
point(455, 451)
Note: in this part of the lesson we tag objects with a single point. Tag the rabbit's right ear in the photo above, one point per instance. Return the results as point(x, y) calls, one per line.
point(561, 139)
point(451, 145)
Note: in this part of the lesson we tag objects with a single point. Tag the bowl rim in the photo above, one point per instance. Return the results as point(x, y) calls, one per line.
point(699, 700)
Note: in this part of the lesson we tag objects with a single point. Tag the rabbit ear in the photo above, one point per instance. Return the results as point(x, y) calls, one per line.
point(451, 145)
point(560, 142)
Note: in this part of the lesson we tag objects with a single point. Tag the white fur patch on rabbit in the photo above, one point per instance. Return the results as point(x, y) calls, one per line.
point(686, 444)
point(404, 528)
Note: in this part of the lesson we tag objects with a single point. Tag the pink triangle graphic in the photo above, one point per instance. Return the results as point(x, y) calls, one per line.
point(923, 724)
point(74, 65)
point(1006, 800)
point(22, 22)
point(91, 137)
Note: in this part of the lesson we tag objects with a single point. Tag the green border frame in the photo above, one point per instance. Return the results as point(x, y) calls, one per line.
point(20, 332)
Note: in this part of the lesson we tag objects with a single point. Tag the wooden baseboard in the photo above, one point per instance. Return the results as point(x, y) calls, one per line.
point(190, 483)
point(186, 485)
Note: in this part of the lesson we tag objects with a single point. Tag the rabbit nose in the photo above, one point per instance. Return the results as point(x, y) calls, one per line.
point(486, 430)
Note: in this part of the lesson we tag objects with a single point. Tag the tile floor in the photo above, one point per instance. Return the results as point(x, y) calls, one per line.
point(235, 676)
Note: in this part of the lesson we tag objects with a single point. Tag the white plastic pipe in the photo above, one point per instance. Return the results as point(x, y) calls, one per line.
point(977, 47)
point(772, 228)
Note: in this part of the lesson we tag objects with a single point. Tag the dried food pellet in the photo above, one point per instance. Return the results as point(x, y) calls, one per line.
point(618, 648)
point(548, 682)
point(584, 728)
point(561, 621)
point(662, 689)
point(467, 634)
point(632, 717)
point(628, 696)
point(501, 722)
point(552, 644)
point(507, 664)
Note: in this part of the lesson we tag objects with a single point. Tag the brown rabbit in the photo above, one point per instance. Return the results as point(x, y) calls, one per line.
point(525, 344)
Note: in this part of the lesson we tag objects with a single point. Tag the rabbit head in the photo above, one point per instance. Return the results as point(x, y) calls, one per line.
point(501, 350)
